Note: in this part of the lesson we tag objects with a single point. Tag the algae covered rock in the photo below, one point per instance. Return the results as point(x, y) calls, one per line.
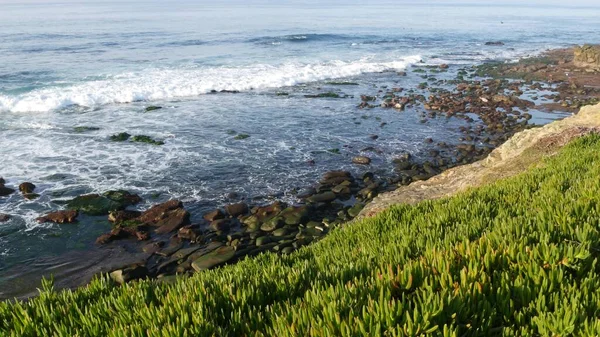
point(120, 137)
point(147, 140)
point(214, 258)
point(95, 204)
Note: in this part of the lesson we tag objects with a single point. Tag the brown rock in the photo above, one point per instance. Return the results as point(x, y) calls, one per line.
point(122, 233)
point(237, 209)
point(214, 215)
point(188, 233)
point(121, 216)
point(4, 217)
point(220, 225)
point(59, 217)
point(158, 212)
point(173, 220)
point(26, 188)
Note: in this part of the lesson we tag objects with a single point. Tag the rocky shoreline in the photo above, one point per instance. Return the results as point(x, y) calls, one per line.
point(493, 99)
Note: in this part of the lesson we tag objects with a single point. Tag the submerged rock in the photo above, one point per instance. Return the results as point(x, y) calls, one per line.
point(152, 108)
point(5, 191)
point(59, 217)
point(95, 204)
point(120, 137)
point(147, 140)
point(4, 217)
point(81, 129)
point(241, 136)
point(361, 160)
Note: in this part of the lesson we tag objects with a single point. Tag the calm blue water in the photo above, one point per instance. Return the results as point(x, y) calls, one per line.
point(100, 63)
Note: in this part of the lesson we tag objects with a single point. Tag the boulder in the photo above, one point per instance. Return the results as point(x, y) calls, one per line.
point(214, 258)
point(494, 43)
point(135, 272)
point(236, 209)
point(26, 188)
point(214, 215)
point(5, 191)
point(587, 56)
point(294, 215)
point(322, 197)
point(59, 217)
point(94, 204)
point(188, 233)
point(173, 220)
point(158, 212)
point(4, 217)
point(220, 225)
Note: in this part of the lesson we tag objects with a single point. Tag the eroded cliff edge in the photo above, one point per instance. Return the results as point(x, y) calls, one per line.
point(520, 152)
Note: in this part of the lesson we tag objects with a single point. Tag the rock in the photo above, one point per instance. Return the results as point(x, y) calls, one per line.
point(307, 192)
point(153, 247)
point(123, 197)
point(361, 160)
point(272, 224)
point(2, 181)
point(220, 225)
point(214, 258)
point(280, 232)
point(241, 136)
point(26, 188)
point(135, 272)
point(355, 210)
point(94, 204)
point(237, 209)
point(587, 56)
point(59, 217)
point(287, 250)
point(4, 217)
point(175, 244)
point(263, 240)
point(157, 212)
point(81, 129)
point(147, 140)
point(341, 189)
point(322, 197)
point(118, 217)
point(373, 137)
point(336, 174)
point(172, 221)
point(188, 233)
point(444, 66)
point(5, 191)
point(152, 108)
point(120, 137)
point(122, 233)
point(214, 215)
point(294, 215)
point(494, 43)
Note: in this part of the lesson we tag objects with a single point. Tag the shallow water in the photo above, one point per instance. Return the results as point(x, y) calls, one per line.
point(100, 64)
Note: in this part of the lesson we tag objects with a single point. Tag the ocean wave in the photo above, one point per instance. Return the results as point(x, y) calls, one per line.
point(163, 84)
point(298, 38)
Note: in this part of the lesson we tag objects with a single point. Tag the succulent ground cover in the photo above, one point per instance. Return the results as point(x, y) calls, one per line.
point(515, 258)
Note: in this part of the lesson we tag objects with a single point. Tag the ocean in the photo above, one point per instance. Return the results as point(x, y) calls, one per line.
point(217, 70)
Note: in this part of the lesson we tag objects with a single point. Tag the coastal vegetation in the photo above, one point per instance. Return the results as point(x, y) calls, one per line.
point(515, 258)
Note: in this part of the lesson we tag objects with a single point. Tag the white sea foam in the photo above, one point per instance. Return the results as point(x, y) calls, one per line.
point(187, 82)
